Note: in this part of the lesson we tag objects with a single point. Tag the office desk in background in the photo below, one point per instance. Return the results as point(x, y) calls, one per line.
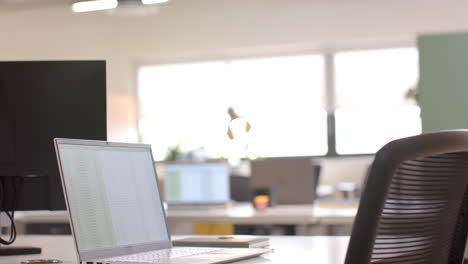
point(287, 249)
point(181, 220)
point(302, 216)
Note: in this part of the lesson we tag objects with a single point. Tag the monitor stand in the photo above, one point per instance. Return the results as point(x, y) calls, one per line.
point(19, 250)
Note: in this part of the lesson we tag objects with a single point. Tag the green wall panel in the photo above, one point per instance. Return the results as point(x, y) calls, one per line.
point(443, 85)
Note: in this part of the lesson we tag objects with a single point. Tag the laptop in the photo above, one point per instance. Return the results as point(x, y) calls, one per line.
point(201, 184)
point(115, 210)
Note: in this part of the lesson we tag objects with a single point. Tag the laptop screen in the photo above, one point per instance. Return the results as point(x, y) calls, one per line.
point(112, 195)
point(196, 183)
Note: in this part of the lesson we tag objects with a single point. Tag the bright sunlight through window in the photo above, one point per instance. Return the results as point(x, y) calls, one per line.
point(373, 102)
point(282, 98)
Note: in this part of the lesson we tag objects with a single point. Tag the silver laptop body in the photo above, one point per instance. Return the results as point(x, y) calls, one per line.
point(115, 210)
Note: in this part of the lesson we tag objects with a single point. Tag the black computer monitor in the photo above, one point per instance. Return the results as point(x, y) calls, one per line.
point(41, 100)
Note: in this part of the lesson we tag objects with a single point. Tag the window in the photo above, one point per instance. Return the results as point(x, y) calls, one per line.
point(372, 106)
point(282, 98)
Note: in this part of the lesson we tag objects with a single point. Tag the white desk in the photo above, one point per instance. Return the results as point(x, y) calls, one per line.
point(244, 213)
point(181, 220)
point(287, 249)
point(240, 213)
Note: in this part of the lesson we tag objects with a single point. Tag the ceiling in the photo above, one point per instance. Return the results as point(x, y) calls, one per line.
point(241, 23)
point(422, 6)
point(15, 5)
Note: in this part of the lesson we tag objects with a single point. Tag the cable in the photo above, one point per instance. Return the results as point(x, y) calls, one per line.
point(10, 215)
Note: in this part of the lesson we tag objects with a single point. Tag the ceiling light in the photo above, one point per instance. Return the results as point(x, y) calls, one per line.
point(138, 10)
point(150, 2)
point(87, 6)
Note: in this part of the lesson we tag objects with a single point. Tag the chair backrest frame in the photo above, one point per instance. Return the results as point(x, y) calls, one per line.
point(386, 163)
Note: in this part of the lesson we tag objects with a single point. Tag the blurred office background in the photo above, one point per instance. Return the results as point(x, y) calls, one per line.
point(329, 80)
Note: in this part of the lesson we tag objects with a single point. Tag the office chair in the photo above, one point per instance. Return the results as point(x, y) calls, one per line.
point(414, 208)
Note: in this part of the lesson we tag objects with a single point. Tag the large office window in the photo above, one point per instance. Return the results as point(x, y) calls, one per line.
point(372, 102)
point(282, 98)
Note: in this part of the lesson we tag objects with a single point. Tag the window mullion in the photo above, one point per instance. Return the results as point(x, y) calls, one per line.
point(330, 101)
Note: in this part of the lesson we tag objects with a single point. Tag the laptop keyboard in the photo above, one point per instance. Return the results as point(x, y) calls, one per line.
point(158, 255)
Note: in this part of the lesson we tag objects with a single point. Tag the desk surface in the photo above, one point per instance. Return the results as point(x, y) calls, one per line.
point(281, 214)
point(287, 249)
point(241, 213)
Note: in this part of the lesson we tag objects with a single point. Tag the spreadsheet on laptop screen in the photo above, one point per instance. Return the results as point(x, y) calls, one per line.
point(113, 195)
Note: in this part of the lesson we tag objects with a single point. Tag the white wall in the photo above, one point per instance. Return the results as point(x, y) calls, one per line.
point(206, 29)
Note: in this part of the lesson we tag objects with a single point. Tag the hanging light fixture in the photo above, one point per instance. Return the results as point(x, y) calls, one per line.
point(152, 2)
point(97, 5)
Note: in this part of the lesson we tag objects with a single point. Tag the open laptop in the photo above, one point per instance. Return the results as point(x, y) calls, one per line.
point(116, 213)
point(196, 184)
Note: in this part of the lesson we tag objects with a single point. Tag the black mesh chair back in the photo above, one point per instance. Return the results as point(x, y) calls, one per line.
point(415, 203)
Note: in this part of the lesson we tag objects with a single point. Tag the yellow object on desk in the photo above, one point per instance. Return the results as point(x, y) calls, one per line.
point(213, 229)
